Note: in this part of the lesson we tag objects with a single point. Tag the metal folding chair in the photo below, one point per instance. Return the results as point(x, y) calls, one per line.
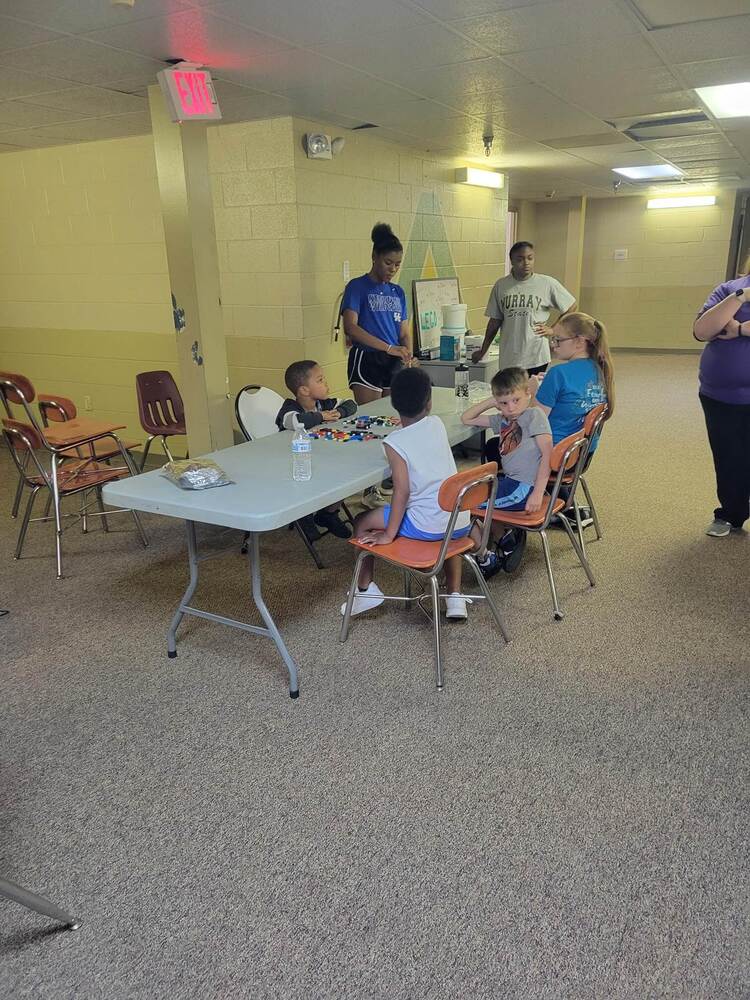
point(424, 561)
point(27, 441)
point(255, 408)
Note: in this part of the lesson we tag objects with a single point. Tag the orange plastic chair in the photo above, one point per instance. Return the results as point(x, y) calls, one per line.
point(568, 457)
point(59, 409)
point(424, 561)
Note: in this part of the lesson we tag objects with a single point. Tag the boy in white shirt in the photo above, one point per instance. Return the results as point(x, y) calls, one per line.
point(421, 459)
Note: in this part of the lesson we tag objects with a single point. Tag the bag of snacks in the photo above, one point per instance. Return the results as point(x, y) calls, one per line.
point(196, 474)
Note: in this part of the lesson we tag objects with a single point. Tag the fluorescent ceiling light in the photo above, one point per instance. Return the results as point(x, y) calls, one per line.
point(481, 178)
point(648, 173)
point(691, 201)
point(732, 100)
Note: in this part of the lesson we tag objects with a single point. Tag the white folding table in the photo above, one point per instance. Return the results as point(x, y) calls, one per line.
point(264, 497)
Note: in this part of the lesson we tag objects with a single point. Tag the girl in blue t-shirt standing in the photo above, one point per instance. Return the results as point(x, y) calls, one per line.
point(570, 390)
point(375, 320)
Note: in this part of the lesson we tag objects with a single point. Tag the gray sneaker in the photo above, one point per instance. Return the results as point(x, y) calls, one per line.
point(718, 528)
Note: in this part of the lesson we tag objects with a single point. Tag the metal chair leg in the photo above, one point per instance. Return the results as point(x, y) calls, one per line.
point(309, 545)
point(25, 521)
point(344, 634)
point(581, 555)
point(149, 439)
point(436, 631)
point(17, 498)
point(58, 518)
point(165, 446)
point(592, 508)
point(548, 563)
point(84, 512)
point(39, 904)
point(141, 529)
point(347, 513)
point(579, 525)
point(100, 505)
point(469, 558)
point(407, 588)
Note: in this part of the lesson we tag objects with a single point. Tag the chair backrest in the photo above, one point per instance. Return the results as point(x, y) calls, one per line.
point(594, 419)
point(23, 439)
point(567, 453)
point(15, 388)
point(56, 408)
point(256, 407)
point(159, 403)
point(470, 488)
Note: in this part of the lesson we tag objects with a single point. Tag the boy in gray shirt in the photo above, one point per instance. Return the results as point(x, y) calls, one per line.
point(525, 450)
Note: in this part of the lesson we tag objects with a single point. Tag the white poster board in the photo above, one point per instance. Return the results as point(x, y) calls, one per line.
point(430, 295)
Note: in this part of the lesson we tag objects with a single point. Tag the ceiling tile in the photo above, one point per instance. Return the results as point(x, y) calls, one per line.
point(17, 83)
point(309, 22)
point(694, 147)
point(18, 114)
point(90, 101)
point(83, 61)
point(713, 72)
point(702, 40)
point(76, 16)
point(565, 22)
point(454, 10)
point(194, 36)
point(663, 12)
point(584, 68)
point(112, 127)
point(17, 34)
point(616, 156)
point(395, 57)
point(464, 80)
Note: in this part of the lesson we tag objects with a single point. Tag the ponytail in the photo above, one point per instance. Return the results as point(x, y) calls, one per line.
point(384, 240)
point(595, 334)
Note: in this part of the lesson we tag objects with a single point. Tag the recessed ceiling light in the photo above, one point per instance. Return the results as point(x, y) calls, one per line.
point(648, 173)
point(732, 100)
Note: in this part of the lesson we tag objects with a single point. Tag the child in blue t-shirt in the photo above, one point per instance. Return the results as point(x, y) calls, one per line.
point(375, 320)
point(568, 391)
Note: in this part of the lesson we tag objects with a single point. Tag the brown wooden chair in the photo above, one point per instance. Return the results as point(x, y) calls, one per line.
point(568, 457)
point(59, 409)
point(160, 409)
point(424, 561)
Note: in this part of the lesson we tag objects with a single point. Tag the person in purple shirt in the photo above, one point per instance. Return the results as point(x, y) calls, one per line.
point(723, 324)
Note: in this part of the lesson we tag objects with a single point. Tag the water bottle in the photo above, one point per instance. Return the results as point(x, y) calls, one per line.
point(461, 387)
point(301, 454)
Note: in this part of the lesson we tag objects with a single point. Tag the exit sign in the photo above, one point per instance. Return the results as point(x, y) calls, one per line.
point(189, 93)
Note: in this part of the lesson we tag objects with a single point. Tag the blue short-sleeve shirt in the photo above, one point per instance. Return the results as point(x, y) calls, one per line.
point(570, 390)
point(380, 308)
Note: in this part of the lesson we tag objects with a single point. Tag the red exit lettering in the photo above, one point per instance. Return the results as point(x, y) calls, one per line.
point(195, 97)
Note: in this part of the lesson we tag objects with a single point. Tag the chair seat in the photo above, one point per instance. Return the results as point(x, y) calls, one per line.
point(78, 475)
point(102, 449)
point(519, 518)
point(413, 553)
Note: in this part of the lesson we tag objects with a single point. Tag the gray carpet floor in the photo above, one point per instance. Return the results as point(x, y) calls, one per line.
point(568, 819)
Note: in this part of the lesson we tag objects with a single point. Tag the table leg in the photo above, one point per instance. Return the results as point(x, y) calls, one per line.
point(260, 604)
point(186, 597)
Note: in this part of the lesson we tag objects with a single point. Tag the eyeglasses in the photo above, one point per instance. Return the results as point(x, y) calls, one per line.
point(556, 341)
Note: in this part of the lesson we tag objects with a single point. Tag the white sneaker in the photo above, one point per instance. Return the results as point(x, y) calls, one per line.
point(365, 600)
point(455, 608)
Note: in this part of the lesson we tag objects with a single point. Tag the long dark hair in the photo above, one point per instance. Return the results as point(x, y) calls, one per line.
point(384, 240)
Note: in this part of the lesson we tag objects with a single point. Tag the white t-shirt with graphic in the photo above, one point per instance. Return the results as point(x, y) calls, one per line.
point(519, 304)
point(425, 448)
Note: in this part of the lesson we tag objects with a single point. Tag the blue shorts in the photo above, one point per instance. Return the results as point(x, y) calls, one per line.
point(408, 530)
point(511, 495)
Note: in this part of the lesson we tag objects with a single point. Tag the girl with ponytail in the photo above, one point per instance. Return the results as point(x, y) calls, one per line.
point(586, 379)
point(375, 320)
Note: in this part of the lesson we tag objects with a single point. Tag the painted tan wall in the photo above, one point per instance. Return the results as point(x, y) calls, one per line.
point(84, 289)
point(551, 227)
point(675, 258)
point(84, 286)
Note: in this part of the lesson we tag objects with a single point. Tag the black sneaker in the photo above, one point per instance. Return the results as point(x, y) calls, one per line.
point(308, 526)
point(512, 549)
point(330, 520)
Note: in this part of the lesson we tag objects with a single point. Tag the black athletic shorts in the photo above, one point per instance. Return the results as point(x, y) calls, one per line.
point(372, 369)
